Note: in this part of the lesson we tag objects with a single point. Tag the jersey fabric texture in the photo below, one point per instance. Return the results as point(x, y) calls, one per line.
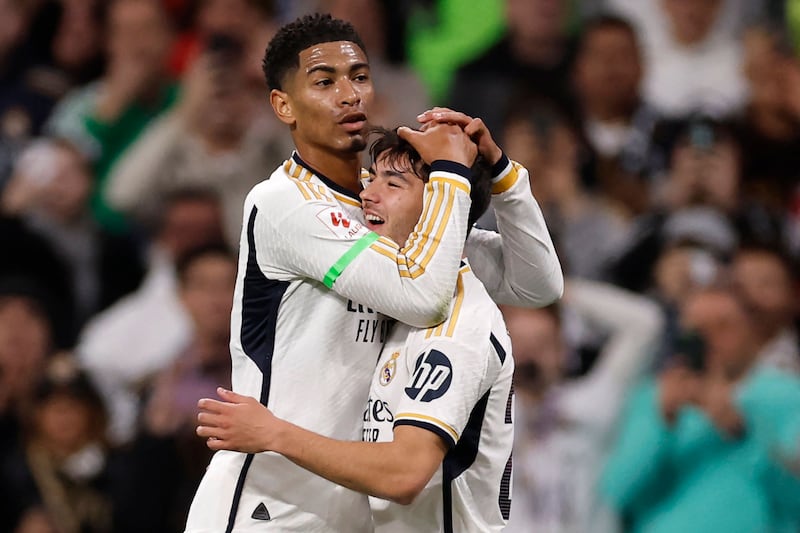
point(308, 352)
point(454, 380)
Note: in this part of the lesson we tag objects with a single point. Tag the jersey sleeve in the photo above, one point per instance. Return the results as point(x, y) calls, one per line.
point(518, 266)
point(448, 379)
point(314, 238)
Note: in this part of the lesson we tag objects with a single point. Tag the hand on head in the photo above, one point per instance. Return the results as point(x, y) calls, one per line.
point(474, 128)
point(441, 141)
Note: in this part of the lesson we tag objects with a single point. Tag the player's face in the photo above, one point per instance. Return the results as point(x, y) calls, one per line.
point(327, 98)
point(392, 200)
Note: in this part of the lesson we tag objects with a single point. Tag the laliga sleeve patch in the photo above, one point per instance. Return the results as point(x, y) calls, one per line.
point(433, 374)
point(340, 224)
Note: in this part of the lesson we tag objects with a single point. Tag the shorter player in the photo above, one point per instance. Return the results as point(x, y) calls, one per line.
point(438, 423)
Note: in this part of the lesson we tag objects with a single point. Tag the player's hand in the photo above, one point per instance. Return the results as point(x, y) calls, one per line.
point(238, 423)
point(441, 141)
point(473, 127)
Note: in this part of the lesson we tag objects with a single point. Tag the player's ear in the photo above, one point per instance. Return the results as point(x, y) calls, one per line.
point(282, 106)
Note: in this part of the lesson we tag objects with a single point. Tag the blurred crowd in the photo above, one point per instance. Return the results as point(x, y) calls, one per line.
point(663, 140)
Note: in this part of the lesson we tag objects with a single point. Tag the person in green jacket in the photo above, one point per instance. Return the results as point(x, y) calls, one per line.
point(106, 117)
point(712, 444)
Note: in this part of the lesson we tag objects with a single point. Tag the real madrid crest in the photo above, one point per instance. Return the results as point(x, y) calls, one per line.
point(388, 369)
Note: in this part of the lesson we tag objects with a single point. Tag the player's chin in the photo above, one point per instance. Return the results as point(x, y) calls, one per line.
point(357, 143)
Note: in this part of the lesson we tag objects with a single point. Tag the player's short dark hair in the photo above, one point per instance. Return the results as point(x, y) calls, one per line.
point(283, 51)
point(397, 152)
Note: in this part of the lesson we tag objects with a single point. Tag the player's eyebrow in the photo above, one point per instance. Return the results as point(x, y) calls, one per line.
point(332, 70)
point(392, 173)
point(359, 66)
point(324, 68)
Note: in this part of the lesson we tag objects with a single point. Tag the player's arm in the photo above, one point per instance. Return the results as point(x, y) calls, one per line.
point(412, 282)
point(518, 266)
point(396, 470)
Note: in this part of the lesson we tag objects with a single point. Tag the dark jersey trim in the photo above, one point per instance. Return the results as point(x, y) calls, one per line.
point(261, 298)
point(461, 457)
point(325, 179)
point(446, 165)
point(500, 166)
point(501, 353)
point(446, 437)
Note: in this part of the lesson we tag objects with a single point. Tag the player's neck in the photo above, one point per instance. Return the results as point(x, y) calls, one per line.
point(342, 168)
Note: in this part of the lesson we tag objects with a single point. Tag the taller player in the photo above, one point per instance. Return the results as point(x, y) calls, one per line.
point(438, 425)
point(306, 329)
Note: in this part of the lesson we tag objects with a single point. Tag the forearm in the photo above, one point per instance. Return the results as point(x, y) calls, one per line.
point(378, 469)
point(634, 324)
point(415, 282)
point(519, 266)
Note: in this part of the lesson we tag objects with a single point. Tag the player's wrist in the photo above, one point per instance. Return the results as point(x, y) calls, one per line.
point(447, 169)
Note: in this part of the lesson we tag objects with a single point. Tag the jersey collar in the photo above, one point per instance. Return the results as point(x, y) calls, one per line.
point(326, 180)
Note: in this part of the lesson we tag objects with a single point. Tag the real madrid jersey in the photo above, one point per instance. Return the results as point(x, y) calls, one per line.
point(308, 352)
point(304, 344)
point(454, 380)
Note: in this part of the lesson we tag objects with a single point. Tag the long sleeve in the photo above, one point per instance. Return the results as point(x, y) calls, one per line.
point(633, 322)
point(635, 471)
point(134, 177)
point(300, 230)
point(518, 266)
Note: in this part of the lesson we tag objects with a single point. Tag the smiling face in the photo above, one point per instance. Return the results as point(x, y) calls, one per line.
point(326, 99)
point(392, 201)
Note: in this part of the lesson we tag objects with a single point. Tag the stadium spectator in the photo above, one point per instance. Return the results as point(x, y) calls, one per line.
point(59, 474)
point(104, 118)
point(26, 340)
point(167, 460)
point(683, 38)
point(564, 426)
point(697, 450)
point(768, 284)
point(218, 137)
point(589, 229)
point(616, 124)
point(535, 54)
point(122, 347)
point(770, 126)
point(49, 191)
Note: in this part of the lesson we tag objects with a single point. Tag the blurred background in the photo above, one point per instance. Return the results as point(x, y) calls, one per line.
point(663, 141)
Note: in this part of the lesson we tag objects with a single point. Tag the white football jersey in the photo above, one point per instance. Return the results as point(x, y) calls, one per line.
point(454, 380)
point(308, 352)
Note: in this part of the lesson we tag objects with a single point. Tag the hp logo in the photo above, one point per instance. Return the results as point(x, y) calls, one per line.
point(433, 374)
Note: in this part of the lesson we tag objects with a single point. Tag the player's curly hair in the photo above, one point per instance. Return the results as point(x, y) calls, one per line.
point(399, 152)
point(284, 49)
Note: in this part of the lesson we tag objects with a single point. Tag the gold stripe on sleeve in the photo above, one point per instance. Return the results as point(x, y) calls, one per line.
point(453, 182)
point(437, 198)
point(414, 416)
point(508, 180)
point(453, 320)
point(439, 233)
